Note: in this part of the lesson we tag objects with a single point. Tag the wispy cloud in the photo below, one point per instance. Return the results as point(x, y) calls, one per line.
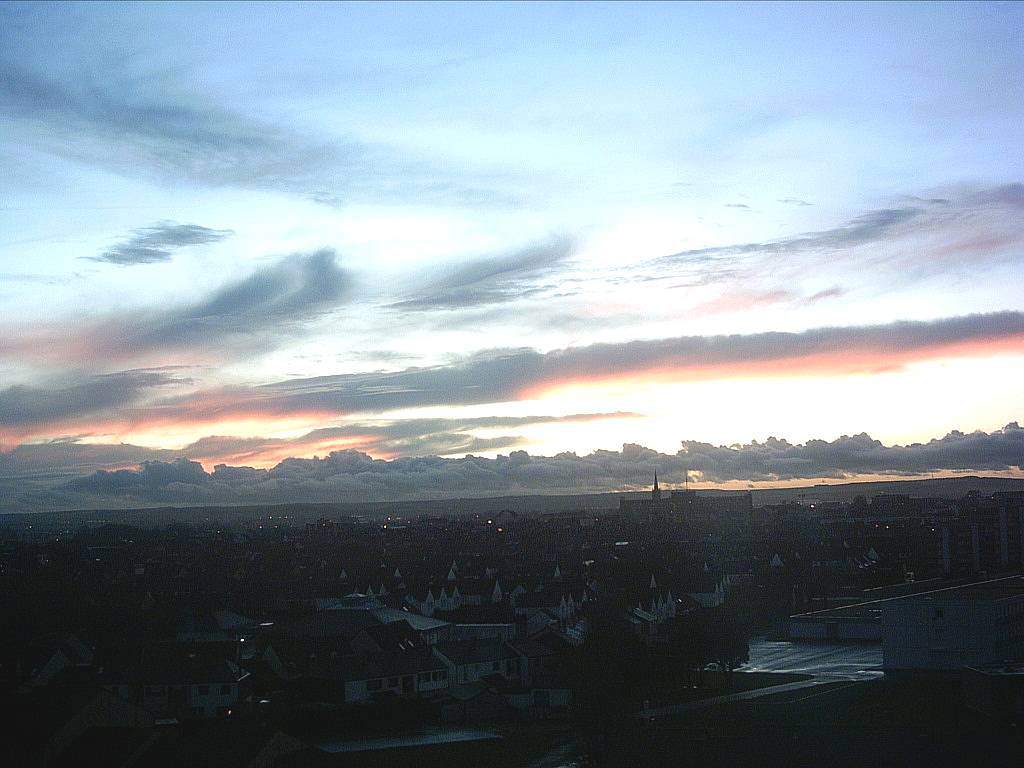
point(254, 313)
point(158, 242)
point(144, 126)
point(880, 250)
point(490, 280)
point(868, 227)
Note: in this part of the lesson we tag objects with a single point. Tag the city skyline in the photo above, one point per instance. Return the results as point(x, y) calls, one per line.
point(759, 243)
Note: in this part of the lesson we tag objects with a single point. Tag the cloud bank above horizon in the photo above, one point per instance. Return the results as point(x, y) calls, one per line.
point(353, 476)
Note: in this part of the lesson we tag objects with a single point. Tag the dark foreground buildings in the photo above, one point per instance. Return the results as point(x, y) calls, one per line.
point(263, 638)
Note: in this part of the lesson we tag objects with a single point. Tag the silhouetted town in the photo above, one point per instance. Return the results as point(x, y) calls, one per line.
point(680, 622)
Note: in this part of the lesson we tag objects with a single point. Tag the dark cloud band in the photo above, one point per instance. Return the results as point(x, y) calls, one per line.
point(354, 476)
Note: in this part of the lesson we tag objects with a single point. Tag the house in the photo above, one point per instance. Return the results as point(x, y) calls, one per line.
point(214, 626)
point(709, 590)
point(470, 660)
point(473, 702)
point(56, 658)
point(352, 601)
point(177, 683)
point(543, 697)
point(49, 727)
point(360, 678)
point(538, 656)
point(429, 629)
point(496, 698)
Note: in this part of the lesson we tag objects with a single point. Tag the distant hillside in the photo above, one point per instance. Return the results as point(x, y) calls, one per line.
point(953, 488)
point(943, 487)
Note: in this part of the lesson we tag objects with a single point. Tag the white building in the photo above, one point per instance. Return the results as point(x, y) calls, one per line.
point(948, 629)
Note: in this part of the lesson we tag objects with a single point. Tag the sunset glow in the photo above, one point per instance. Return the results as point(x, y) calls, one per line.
point(700, 225)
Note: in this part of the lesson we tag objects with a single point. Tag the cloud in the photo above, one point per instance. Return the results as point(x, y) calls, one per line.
point(137, 124)
point(738, 300)
point(513, 374)
point(350, 475)
point(868, 227)
point(828, 293)
point(39, 466)
point(918, 238)
point(254, 313)
point(386, 437)
point(69, 456)
point(157, 243)
point(914, 244)
point(24, 409)
point(1011, 195)
point(794, 201)
point(848, 456)
point(250, 315)
point(491, 280)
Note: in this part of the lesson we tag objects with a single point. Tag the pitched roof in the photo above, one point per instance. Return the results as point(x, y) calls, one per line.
point(476, 651)
point(172, 666)
point(417, 621)
point(345, 624)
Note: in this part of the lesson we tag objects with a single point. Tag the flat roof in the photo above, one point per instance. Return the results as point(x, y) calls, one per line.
point(1003, 588)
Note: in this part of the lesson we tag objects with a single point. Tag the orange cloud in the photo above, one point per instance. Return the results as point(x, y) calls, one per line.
point(851, 361)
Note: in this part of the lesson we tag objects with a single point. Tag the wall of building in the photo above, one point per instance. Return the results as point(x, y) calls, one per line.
point(949, 633)
point(833, 628)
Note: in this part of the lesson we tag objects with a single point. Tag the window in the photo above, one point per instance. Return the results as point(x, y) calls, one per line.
point(373, 685)
point(225, 690)
point(204, 690)
point(424, 677)
point(494, 666)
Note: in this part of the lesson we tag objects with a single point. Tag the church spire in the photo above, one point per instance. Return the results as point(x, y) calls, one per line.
point(656, 491)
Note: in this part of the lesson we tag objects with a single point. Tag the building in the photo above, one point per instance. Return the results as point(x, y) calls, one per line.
point(722, 508)
point(176, 683)
point(653, 504)
point(859, 623)
point(945, 630)
point(470, 660)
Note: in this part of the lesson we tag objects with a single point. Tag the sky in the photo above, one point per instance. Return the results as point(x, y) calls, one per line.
point(339, 252)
